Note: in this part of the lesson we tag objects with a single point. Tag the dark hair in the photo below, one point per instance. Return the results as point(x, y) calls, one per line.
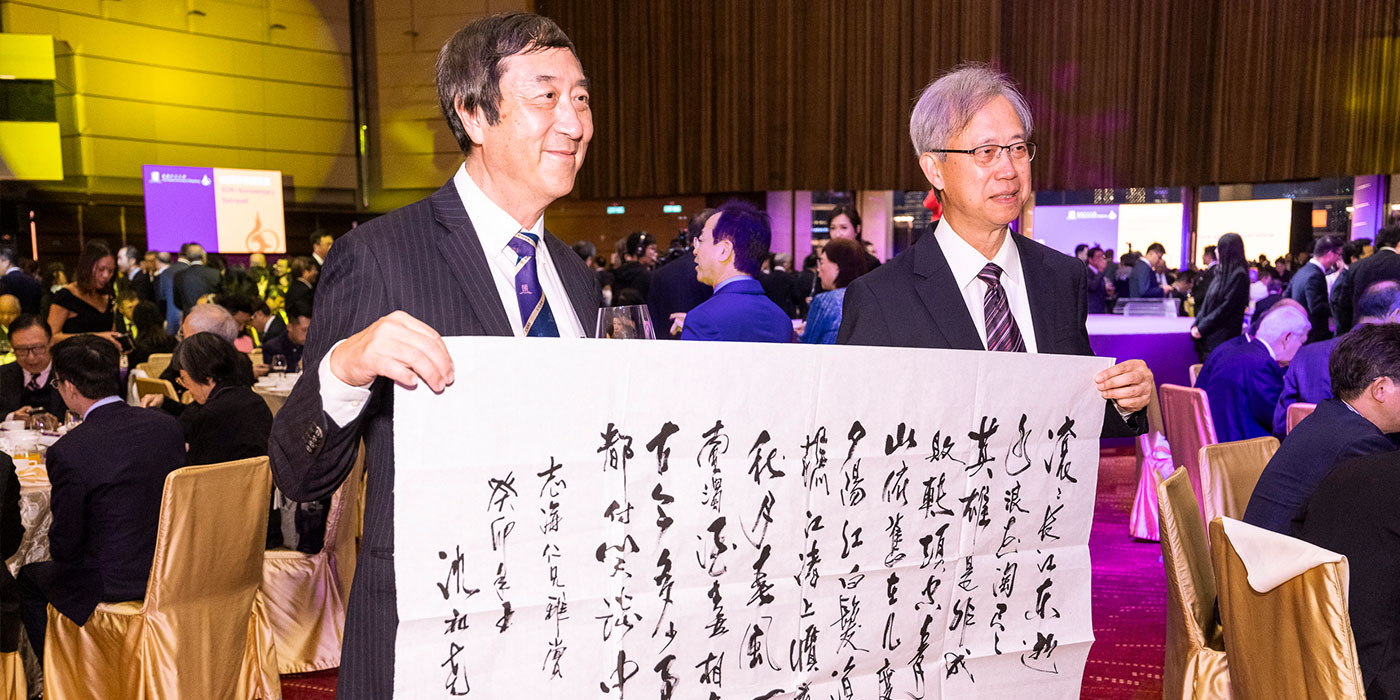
point(93, 253)
point(1157, 248)
point(1364, 355)
point(1327, 244)
point(849, 257)
point(1230, 252)
point(24, 321)
point(89, 364)
point(318, 234)
point(262, 308)
point(638, 242)
point(235, 303)
point(1209, 252)
point(1378, 300)
point(585, 250)
point(1081, 248)
point(748, 228)
point(207, 356)
point(127, 295)
point(1388, 237)
point(696, 225)
point(850, 213)
point(148, 319)
point(8, 253)
point(1352, 250)
point(469, 65)
point(301, 308)
point(1094, 251)
point(300, 264)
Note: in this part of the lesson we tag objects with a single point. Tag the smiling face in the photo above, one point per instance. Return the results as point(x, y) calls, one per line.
point(841, 227)
point(981, 199)
point(530, 156)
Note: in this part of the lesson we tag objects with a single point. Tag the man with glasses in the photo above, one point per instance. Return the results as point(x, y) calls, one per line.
point(25, 386)
point(970, 284)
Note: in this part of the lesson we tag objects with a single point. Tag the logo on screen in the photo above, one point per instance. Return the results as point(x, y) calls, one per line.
point(261, 240)
point(1071, 216)
point(1112, 215)
point(155, 176)
point(205, 181)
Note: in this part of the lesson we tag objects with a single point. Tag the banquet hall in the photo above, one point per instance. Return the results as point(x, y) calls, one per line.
point(1047, 349)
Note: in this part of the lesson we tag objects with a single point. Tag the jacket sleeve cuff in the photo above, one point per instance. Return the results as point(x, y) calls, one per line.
point(342, 402)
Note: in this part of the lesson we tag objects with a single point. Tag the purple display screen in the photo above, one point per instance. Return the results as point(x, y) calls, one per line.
point(1064, 227)
point(180, 207)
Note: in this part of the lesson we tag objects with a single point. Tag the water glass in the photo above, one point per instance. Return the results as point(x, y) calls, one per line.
point(625, 323)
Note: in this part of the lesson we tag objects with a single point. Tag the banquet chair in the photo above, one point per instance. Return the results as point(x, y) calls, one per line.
point(1187, 421)
point(1195, 371)
point(1296, 413)
point(1195, 667)
point(200, 632)
point(1153, 464)
point(305, 594)
point(146, 386)
point(156, 363)
point(1293, 640)
point(1229, 471)
point(12, 683)
point(256, 356)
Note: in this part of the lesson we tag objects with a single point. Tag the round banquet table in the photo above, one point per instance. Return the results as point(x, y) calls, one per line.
point(274, 396)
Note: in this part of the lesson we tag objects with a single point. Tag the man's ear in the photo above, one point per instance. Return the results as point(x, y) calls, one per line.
point(473, 121)
point(933, 169)
point(726, 251)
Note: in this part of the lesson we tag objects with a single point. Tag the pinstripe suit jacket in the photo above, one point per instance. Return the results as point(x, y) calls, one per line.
point(426, 260)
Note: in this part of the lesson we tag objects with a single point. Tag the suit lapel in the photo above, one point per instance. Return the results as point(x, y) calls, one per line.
point(941, 296)
point(1040, 290)
point(577, 286)
point(462, 251)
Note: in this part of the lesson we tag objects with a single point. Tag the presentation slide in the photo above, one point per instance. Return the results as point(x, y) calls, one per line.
point(1264, 224)
point(1141, 225)
point(222, 209)
point(1122, 227)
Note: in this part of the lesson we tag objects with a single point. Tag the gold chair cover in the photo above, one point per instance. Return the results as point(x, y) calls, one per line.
point(1153, 464)
point(1294, 641)
point(1296, 413)
point(1195, 667)
point(1229, 471)
point(1195, 371)
point(146, 386)
point(157, 363)
point(12, 685)
point(1189, 427)
point(305, 595)
point(198, 632)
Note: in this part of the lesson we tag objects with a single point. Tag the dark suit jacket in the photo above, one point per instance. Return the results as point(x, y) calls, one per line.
point(1309, 288)
point(165, 295)
point(1095, 291)
point(781, 287)
point(12, 392)
point(1143, 282)
point(674, 289)
point(739, 311)
point(1329, 435)
point(431, 242)
point(1220, 316)
point(139, 283)
point(194, 282)
point(282, 345)
point(1243, 382)
point(28, 290)
point(912, 301)
point(108, 474)
point(297, 291)
point(1198, 290)
point(1352, 512)
point(1307, 380)
point(1381, 265)
point(233, 424)
point(11, 527)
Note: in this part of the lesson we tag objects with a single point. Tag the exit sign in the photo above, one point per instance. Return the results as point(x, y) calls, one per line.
point(617, 209)
point(671, 208)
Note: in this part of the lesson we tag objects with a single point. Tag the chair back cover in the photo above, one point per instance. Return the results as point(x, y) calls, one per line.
point(157, 363)
point(1189, 427)
point(1195, 371)
point(1296, 413)
point(1294, 641)
point(1195, 665)
point(146, 386)
point(1229, 471)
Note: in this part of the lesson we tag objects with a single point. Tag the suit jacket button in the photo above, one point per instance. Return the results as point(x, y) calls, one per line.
point(314, 437)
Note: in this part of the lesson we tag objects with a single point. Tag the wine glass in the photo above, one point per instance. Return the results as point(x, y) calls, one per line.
point(279, 364)
point(625, 323)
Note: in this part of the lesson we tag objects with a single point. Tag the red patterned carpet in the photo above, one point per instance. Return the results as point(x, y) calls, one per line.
point(1130, 601)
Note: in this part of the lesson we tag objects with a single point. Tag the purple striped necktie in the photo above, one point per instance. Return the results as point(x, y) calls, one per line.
point(535, 314)
point(1002, 333)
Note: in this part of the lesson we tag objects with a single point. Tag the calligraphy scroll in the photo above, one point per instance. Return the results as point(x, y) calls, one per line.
point(696, 520)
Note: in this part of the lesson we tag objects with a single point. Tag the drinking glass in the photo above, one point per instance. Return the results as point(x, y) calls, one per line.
point(279, 364)
point(625, 322)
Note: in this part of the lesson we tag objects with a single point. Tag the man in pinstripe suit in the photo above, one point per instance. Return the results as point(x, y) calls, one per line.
point(472, 259)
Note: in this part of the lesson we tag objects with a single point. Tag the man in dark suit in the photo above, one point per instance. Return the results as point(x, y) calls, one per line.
point(1355, 423)
point(1307, 379)
point(1384, 264)
point(781, 285)
point(1209, 263)
point(265, 325)
point(1309, 286)
point(1096, 286)
point(107, 475)
point(1143, 282)
point(971, 283)
point(195, 281)
point(443, 266)
point(727, 256)
point(13, 281)
point(130, 276)
point(674, 286)
point(165, 288)
point(26, 385)
point(1243, 380)
point(304, 274)
point(290, 344)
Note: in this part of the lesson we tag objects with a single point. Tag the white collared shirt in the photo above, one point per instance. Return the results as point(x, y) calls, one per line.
point(965, 262)
point(43, 376)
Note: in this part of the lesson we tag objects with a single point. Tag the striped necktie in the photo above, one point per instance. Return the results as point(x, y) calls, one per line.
point(1002, 333)
point(535, 315)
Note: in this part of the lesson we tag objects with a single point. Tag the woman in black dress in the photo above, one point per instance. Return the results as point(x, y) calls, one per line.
point(85, 304)
point(1221, 316)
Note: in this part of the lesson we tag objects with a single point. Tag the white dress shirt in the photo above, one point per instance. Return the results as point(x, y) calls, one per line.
point(494, 229)
point(966, 262)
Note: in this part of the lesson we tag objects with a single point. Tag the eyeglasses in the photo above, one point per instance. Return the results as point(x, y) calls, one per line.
point(36, 350)
point(1021, 151)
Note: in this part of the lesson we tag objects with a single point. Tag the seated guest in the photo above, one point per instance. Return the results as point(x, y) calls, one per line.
point(289, 344)
point(11, 534)
point(203, 318)
point(151, 336)
point(1243, 380)
point(1307, 380)
point(840, 263)
point(727, 256)
point(9, 311)
point(107, 475)
point(126, 306)
point(264, 325)
point(305, 272)
point(232, 422)
point(26, 385)
point(241, 308)
point(1355, 423)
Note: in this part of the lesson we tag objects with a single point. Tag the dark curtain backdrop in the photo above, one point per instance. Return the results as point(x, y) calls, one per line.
point(739, 95)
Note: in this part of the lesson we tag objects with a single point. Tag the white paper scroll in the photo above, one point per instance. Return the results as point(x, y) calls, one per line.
point(695, 520)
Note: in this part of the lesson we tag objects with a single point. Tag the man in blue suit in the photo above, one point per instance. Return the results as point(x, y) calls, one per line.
point(1352, 425)
point(727, 257)
point(1309, 286)
point(1307, 380)
point(1243, 380)
point(1143, 282)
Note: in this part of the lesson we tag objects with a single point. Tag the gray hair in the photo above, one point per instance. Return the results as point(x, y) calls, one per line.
point(949, 103)
point(211, 318)
point(194, 252)
point(1282, 321)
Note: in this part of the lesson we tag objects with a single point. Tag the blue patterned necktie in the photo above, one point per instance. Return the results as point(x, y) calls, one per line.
point(1002, 333)
point(535, 315)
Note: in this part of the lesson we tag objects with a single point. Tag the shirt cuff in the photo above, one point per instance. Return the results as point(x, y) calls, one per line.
point(342, 402)
point(1122, 412)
